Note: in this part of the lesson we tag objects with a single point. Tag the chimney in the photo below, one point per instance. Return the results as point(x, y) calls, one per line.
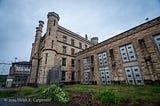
point(86, 36)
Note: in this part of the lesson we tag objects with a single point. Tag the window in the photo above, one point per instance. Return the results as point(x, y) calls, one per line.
point(73, 75)
point(54, 23)
point(142, 43)
point(127, 53)
point(86, 63)
point(72, 42)
point(133, 75)
point(65, 39)
point(105, 76)
point(85, 46)
point(63, 61)
point(72, 62)
point(64, 49)
point(157, 41)
point(49, 31)
point(111, 54)
point(63, 77)
point(92, 59)
point(72, 51)
point(46, 58)
point(52, 43)
point(80, 45)
point(103, 59)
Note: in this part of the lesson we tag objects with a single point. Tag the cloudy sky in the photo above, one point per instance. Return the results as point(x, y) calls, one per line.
point(102, 18)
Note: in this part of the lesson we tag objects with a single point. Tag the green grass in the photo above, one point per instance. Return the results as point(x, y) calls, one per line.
point(129, 93)
point(84, 88)
point(106, 96)
point(23, 91)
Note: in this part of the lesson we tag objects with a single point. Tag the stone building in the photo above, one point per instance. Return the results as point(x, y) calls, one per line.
point(60, 55)
point(52, 54)
point(132, 57)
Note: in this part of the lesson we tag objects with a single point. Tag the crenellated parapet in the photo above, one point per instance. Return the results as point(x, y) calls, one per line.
point(53, 14)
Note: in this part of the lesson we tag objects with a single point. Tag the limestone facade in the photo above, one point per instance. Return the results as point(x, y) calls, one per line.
point(55, 51)
point(132, 57)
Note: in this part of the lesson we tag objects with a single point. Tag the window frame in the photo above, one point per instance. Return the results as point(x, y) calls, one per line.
point(86, 46)
point(64, 39)
point(46, 58)
point(64, 49)
point(64, 61)
point(80, 45)
point(128, 52)
point(157, 43)
point(63, 75)
point(72, 42)
point(73, 62)
point(72, 51)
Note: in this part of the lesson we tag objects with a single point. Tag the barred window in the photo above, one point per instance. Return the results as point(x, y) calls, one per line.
point(127, 53)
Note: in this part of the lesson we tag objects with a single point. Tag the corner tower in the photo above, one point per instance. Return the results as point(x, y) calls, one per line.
point(49, 54)
point(35, 54)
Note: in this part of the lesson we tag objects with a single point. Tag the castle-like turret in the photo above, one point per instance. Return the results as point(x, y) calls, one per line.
point(38, 38)
point(49, 53)
point(35, 53)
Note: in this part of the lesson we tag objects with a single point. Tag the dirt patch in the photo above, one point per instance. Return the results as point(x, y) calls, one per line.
point(84, 99)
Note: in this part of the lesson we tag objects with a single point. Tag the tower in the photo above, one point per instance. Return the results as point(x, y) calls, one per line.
point(94, 40)
point(49, 54)
point(35, 53)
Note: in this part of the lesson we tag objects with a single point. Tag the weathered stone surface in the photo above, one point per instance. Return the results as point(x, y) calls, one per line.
point(51, 45)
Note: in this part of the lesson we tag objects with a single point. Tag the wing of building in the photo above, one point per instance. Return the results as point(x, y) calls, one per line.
point(52, 55)
point(19, 74)
point(60, 55)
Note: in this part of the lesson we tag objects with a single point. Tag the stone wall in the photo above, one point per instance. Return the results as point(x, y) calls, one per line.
point(150, 69)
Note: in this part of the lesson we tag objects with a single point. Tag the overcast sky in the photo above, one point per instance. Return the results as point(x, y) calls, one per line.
point(102, 18)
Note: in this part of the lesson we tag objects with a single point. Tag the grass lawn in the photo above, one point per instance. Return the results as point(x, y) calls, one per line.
point(146, 95)
point(22, 91)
